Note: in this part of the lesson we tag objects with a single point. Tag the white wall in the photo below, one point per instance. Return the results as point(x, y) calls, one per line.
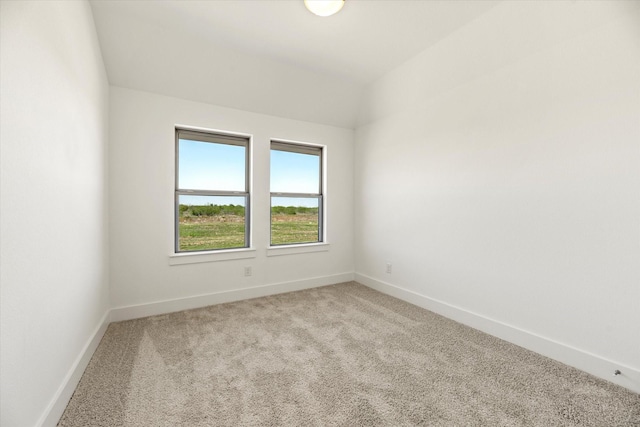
point(141, 158)
point(499, 172)
point(53, 201)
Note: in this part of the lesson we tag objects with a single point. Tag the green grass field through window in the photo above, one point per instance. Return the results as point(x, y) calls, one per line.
point(223, 227)
point(298, 228)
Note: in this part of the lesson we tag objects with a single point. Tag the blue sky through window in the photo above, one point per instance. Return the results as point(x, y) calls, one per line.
point(294, 173)
point(207, 166)
point(221, 167)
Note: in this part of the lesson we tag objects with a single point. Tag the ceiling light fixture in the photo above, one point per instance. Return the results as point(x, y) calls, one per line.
point(324, 7)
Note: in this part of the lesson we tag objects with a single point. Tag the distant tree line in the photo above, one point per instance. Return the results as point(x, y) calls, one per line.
point(214, 210)
point(211, 210)
point(293, 210)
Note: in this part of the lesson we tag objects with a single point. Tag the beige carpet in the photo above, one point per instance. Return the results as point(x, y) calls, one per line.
point(341, 355)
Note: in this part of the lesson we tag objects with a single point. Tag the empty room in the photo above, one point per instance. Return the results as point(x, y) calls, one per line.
point(319, 213)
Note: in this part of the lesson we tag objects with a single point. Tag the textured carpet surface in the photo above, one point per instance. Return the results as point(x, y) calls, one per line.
point(341, 355)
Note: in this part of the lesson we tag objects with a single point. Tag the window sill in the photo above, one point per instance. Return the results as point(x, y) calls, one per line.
point(297, 249)
point(197, 257)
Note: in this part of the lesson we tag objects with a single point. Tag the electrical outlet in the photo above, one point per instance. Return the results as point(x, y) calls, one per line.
point(247, 271)
point(389, 268)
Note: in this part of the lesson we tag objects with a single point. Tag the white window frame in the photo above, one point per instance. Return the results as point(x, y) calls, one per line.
point(303, 247)
point(218, 254)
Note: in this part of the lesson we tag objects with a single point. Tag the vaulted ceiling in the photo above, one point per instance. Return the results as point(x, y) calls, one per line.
point(270, 56)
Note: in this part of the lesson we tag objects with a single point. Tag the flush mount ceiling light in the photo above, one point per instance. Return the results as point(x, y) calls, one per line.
point(324, 7)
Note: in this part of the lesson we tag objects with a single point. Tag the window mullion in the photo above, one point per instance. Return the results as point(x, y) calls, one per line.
point(299, 195)
point(183, 192)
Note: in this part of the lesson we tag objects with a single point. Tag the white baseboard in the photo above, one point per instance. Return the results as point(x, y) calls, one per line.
point(593, 364)
point(56, 407)
point(170, 306)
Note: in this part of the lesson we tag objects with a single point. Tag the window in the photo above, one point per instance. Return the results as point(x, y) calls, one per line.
point(212, 191)
point(296, 194)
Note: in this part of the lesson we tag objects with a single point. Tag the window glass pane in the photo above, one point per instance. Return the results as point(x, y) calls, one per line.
point(211, 166)
point(211, 222)
point(295, 220)
point(294, 172)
